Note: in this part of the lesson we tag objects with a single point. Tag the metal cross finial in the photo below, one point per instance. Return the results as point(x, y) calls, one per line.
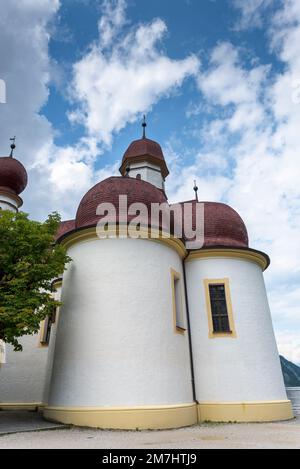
point(196, 190)
point(144, 125)
point(12, 146)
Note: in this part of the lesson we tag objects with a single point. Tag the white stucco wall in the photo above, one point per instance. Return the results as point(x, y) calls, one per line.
point(51, 348)
point(22, 377)
point(245, 368)
point(115, 343)
point(149, 172)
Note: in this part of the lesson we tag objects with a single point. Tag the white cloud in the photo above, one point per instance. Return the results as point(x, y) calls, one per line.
point(58, 176)
point(207, 169)
point(226, 82)
point(25, 66)
point(251, 12)
point(253, 125)
point(289, 345)
point(122, 75)
point(25, 69)
point(250, 152)
point(263, 186)
point(111, 21)
point(114, 88)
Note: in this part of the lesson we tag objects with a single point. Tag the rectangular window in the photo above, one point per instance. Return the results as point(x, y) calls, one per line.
point(46, 331)
point(178, 312)
point(219, 308)
point(46, 328)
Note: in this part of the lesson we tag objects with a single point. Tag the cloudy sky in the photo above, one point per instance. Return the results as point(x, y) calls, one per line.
point(220, 83)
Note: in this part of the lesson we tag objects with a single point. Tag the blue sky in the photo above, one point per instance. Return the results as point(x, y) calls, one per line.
point(219, 81)
point(194, 27)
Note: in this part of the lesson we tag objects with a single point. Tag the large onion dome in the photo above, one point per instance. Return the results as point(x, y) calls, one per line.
point(108, 191)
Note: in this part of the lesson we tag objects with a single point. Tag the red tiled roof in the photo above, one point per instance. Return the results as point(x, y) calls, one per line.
point(13, 175)
point(65, 227)
point(108, 191)
point(144, 146)
point(141, 148)
point(223, 226)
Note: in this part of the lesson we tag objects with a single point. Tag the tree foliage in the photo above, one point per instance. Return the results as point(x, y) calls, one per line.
point(29, 261)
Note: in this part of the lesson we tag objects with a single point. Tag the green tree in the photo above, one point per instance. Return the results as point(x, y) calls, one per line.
point(29, 261)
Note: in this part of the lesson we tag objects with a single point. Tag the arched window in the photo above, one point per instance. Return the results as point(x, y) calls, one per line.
point(138, 176)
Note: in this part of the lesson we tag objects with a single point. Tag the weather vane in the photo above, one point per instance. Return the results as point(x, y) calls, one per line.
point(144, 125)
point(196, 190)
point(12, 146)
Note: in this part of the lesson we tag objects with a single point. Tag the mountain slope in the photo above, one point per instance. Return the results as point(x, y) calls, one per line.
point(291, 373)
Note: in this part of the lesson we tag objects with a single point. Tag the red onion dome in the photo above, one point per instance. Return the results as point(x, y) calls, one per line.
point(143, 148)
point(13, 175)
point(223, 226)
point(108, 191)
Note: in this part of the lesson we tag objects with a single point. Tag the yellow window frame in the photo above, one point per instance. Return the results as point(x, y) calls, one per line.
point(211, 333)
point(179, 329)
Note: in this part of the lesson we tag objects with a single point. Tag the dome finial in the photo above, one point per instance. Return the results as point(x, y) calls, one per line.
point(144, 125)
point(12, 146)
point(196, 190)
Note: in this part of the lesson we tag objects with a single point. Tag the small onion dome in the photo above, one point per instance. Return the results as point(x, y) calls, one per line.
point(13, 175)
point(142, 149)
point(223, 226)
point(108, 191)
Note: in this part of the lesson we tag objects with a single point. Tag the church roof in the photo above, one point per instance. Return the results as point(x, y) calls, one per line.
point(64, 227)
point(142, 149)
point(223, 226)
point(108, 191)
point(13, 175)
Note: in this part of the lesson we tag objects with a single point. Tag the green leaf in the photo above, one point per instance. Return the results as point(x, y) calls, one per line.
point(29, 261)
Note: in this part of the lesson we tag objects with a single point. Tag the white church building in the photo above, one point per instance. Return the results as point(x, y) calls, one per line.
point(153, 332)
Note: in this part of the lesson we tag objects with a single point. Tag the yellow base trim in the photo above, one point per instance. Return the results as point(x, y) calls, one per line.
point(20, 405)
point(244, 411)
point(125, 418)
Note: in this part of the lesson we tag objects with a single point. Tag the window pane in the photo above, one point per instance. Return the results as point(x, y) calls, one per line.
point(219, 308)
point(46, 331)
point(178, 303)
